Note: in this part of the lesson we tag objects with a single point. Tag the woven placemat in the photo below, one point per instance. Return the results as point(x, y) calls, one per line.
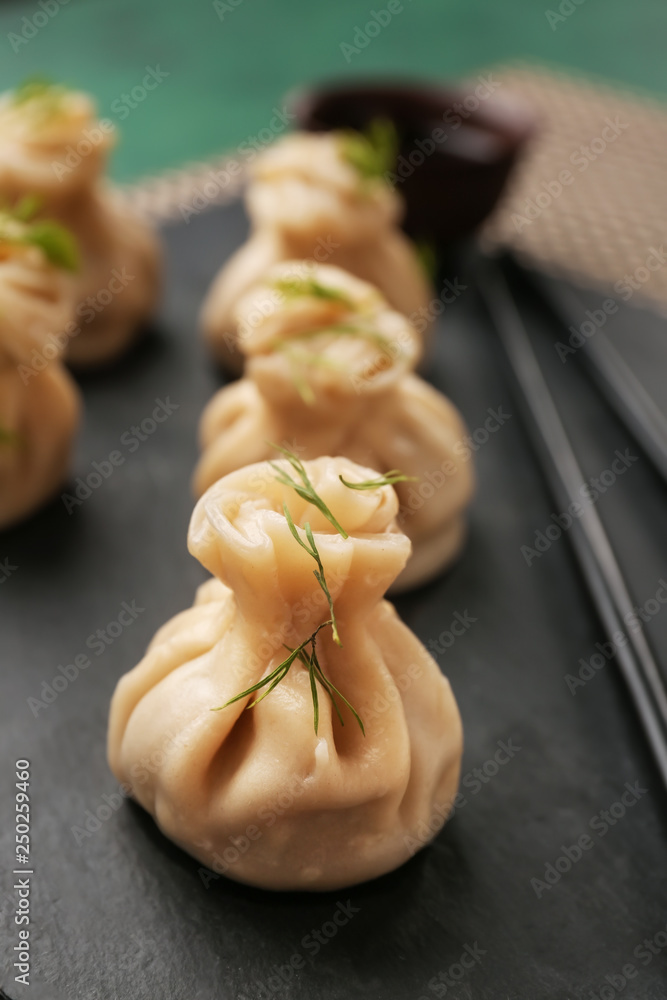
point(588, 201)
point(191, 189)
point(604, 222)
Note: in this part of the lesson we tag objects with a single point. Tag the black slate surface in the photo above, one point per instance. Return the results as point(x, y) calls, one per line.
point(118, 913)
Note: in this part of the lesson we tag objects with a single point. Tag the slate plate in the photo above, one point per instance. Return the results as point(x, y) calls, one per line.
point(121, 914)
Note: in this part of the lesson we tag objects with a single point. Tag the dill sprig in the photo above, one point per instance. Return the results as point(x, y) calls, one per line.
point(306, 491)
point(315, 673)
point(301, 383)
point(55, 241)
point(306, 359)
point(34, 87)
point(27, 208)
point(305, 488)
point(9, 437)
point(312, 550)
point(43, 97)
point(427, 256)
point(276, 676)
point(298, 359)
point(389, 479)
point(372, 152)
point(359, 330)
point(296, 287)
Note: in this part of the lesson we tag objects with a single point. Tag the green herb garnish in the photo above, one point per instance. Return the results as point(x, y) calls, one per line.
point(44, 96)
point(301, 384)
point(305, 488)
point(340, 329)
point(9, 437)
point(389, 479)
point(315, 673)
point(373, 152)
point(55, 241)
point(34, 87)
point(428, 258)
point(276, 676)
point(27, 208)
point(298, 359)
point(312, 550)
point(295, 287)
point(302, 358)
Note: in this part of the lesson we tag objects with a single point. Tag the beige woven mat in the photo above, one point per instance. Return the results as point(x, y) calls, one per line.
point(177, 194)
point(606, 225)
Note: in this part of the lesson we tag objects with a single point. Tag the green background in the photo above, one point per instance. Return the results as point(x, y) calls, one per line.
point(225, 75)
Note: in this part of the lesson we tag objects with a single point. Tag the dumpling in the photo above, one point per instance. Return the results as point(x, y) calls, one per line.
point(276, 795)
point(308, 199)
point(329, 372)
point(53, 147)
point(39, 402)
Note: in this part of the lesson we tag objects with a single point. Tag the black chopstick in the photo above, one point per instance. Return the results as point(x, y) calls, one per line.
point(616, 380)
point(592, 547)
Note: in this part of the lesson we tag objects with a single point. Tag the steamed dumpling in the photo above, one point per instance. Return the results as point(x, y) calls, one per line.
point(52, 146)
point(308, 200)
point(39, 403)
point(329, 372)
point(353, 806)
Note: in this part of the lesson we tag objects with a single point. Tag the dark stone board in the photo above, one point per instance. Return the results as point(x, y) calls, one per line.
point(121, 914)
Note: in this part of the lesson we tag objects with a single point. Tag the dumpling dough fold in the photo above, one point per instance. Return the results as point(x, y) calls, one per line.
point(329, 372)
point(256, 794)
point(307, 201)
point(53, 148)
point(39, 403)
